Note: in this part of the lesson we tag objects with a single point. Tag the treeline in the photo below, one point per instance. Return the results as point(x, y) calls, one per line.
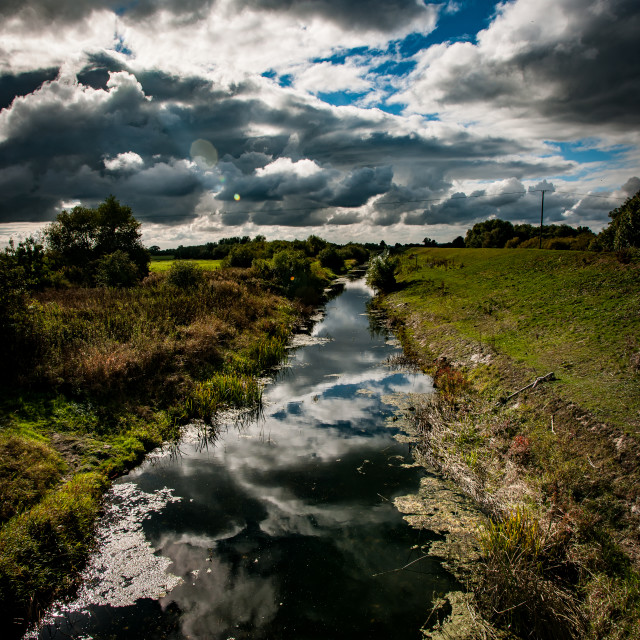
point(502, 234)
point(240, 251)
point(621, 234)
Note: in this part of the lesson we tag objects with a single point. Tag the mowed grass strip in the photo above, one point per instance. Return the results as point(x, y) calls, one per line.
point(574, 313)
point(162, 264)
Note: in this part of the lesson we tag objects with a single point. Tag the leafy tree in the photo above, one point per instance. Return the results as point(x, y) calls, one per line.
point(315, 245)
point(623, 232)
point(30, 257)
point(429, 242)
point(331, 258)
point(78, 239)
point(490, 233)
point(458, 242)
point(241, 255)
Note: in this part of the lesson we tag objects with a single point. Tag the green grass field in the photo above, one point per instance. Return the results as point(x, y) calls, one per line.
point(574, 313)
point(557, 466)
point(162, 263)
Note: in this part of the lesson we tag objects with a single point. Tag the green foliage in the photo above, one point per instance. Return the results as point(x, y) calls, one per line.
point(184, 274)
point(28, 468)
point(500, 233)
point(314, 245)
point(490, 233)
point(331, 258)
point(242, 255)
point(116, 270)
point(222, 391)
point(77, 240)
point(381, 272)
point(41, 548)
point(521, 589)
point(623, 232)
point(355, 252)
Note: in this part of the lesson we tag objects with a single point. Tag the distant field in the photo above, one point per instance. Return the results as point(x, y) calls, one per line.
point(163, 263)
point(574, 313)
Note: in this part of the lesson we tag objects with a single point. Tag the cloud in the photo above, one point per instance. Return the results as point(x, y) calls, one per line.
point(127, 161)
point(558, 67)
point(114, 97)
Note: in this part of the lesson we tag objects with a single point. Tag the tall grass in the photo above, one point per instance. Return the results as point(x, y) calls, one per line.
point(222, 391)
point(42, 548)
point(522, 587)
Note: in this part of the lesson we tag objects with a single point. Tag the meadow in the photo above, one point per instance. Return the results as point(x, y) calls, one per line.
point(161, 264)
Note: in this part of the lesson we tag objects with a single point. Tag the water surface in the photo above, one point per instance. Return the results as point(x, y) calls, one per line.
point(284, 527)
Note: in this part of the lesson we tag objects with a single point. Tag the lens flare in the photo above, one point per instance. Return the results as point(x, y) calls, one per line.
point(204, 154)
point(236, 196)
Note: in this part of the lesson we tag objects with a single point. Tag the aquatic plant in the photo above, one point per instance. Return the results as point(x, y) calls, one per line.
point(222, 390)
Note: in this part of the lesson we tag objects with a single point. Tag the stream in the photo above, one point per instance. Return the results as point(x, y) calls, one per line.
point(277, 527)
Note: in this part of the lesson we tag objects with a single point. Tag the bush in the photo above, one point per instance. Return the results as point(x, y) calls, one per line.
point(185, 275)
point(116, 270)
point(381, 272)
point(330, 257)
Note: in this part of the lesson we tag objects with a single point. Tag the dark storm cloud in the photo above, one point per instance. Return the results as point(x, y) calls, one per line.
point(45, 11)
point(516, 206)
point(65, 140)
point(355, 15)
point(379, 15)
point(356, 189)
point(589, 76)
point(631, 186)
point(598, 77)
point(23, 84)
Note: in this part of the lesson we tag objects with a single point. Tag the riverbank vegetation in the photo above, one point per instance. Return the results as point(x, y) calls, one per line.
point(556, 465)
point(103, 361)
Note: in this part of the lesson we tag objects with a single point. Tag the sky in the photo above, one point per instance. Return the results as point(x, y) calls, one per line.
point(361, 120)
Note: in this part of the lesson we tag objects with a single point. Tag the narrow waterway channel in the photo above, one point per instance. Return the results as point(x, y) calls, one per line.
point(280, 528)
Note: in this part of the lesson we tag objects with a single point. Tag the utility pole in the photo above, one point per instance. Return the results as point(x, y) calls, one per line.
point(541, 216)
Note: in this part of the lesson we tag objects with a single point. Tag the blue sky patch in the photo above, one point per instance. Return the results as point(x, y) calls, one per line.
point(582, 151)
point(341, 98)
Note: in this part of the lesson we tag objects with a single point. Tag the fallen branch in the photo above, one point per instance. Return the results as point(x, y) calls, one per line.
point(382, 573)
point(545, 378)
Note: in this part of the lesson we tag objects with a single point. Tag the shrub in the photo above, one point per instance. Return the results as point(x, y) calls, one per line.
point(116, 270)
point(185, 275)
point(381, 272)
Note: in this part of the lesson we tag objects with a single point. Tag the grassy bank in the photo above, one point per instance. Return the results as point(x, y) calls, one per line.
point(107, 375)
point(556, 466)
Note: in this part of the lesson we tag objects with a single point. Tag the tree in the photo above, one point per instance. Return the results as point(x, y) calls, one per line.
point(623, 232)
point(429, 242)
point(330, 257)
point(79, 239)
point(490, 233)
